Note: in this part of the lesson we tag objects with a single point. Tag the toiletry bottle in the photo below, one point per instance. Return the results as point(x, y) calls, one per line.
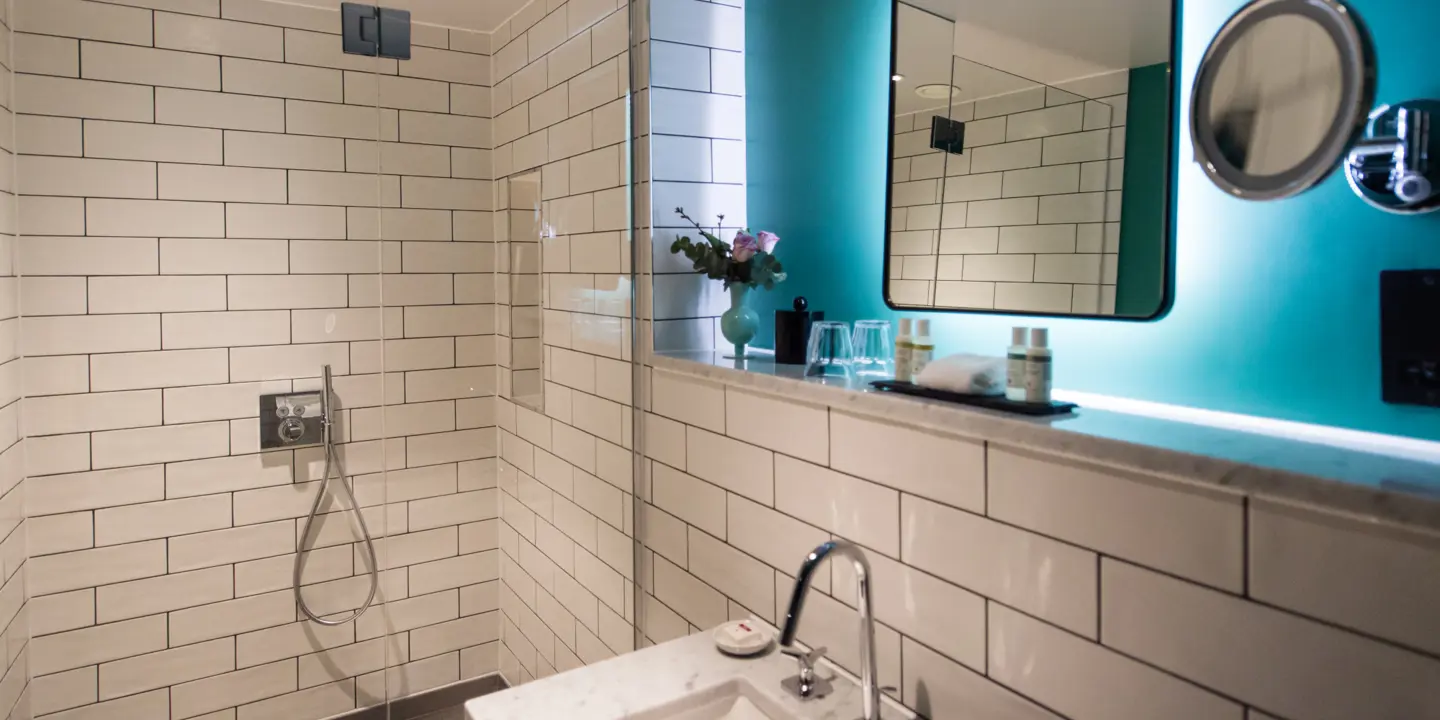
point(904, 349)
point(922, 349)
point(1038, 367)
point(1015, 364)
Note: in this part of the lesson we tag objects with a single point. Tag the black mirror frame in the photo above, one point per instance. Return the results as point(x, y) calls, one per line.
point(1167, 298)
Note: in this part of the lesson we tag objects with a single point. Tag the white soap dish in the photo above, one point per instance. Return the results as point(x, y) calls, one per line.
point(743, 638)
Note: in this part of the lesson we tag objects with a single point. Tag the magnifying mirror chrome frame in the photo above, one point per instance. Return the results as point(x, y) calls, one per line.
point(1357, 64)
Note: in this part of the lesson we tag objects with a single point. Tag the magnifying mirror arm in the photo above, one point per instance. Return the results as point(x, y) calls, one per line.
point(1403, 158)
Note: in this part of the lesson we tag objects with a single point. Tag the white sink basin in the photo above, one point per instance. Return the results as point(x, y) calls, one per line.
point(731, 700)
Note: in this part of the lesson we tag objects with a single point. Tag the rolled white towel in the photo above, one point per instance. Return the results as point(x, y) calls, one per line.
point(965, 374)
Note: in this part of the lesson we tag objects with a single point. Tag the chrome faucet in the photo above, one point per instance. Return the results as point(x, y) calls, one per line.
point(869, 687)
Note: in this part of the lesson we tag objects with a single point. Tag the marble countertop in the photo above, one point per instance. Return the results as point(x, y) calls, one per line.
point(1369, 485)
point(640, 682)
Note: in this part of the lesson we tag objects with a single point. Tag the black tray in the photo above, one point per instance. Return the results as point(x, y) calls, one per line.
point(988, 402)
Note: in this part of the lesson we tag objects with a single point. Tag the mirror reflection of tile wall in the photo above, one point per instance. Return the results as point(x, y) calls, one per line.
point(1028, 218)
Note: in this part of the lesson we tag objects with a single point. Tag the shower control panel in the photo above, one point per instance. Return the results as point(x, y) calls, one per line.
point(291, 420)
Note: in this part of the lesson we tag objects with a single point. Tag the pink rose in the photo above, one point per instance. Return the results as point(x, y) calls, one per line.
point(743, 247)
point(768, 241)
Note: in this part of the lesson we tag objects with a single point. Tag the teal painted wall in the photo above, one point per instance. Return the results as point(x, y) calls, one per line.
point(1276, 310)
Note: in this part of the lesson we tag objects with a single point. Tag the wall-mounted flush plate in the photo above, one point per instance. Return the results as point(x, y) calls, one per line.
point(291, 420)
point(375, 31)
point(1409, 345)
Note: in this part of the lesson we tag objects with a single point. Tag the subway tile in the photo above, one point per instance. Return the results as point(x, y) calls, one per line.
point(146, 521)
point(987, 186)
point(88, 334)
point(425, 386)
point(999, 268)
point(89, 490)
point(993, 213)
point(47, 55)
point(152, 704)
point(342, 256)
point(447, 66)
point(410, 613)
point(397, 159)
point(1053, 180)
point(49, 136)
point(427, 257)
point(1033, 297)
point(1038, 239)
point(319, 701)
point(1077, 208)
point(88, 257)
point(861, 511)
point(697, 602)
point(170, 667)
point(691, 402)
point(91, 21)
point(1047, 579)
point(152, 218)
point(43, 95)
point(1258, 655)
point(218, 37)
point(732, 465)
point(79, 177)
point(288, 641)
point(437, 129)
point(52, 295)
point(1183, 530)
point(948, 470)
point(51, 534)
point(1007, 156)
point(351, 660)
point(339, 121)
point(227, 329)
point(62, 691)
point(231, 689)
point(60, 612)
point(1077, 147)
point(284, 151)
point(1083, 679)
point(453, 635)
point(206, 256)
point(951, 619)
point(320, 49)
point(694, 501)
point(741, 577)
point(217, 110)
point(944, 688)
point(326, 188)
point(58, 414)
point(401, 355)
point(372, 90)
point(222, 547)
point(148, 66)
point(119, 448)
point(1057, 120)
point(773, 537)
point(447, 194)
point(295, 222)
point(1373, 580)
point(253, 77)
point(221, 184)
point(140, 141)
point(51, 216)
point(78, 648)
point(57, 454)
point(808, 434)
point(142, 294)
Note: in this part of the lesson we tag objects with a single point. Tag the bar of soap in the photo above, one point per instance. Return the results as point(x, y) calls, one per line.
point(742, 638)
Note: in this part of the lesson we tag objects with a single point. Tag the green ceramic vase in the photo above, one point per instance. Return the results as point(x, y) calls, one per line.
point(739, 324)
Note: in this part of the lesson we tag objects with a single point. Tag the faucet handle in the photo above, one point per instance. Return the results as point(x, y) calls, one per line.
point(807, 659)
point(807, 684)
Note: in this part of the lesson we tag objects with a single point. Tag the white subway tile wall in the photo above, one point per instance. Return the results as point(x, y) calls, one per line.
point(1027, 585)
point(203, 191)
point(17, 612)
point(561, 72)
point(1028, 219)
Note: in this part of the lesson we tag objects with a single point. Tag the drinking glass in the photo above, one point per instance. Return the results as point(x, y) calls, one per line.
point(874, 351)
point(831, 354)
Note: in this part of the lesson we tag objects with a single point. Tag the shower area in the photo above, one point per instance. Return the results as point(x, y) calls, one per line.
point(209, 210)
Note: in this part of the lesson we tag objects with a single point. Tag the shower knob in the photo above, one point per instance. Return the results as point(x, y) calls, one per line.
point(291, 429)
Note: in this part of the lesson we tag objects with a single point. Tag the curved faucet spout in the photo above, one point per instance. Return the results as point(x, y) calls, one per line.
point(870, 692)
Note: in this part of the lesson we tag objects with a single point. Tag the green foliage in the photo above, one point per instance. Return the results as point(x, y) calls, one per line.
point(715, 259)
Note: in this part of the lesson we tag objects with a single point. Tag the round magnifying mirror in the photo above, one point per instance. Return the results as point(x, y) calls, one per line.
point(1282, 94)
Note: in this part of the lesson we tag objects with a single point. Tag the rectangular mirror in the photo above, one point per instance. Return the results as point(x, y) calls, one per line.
point(1050, 190)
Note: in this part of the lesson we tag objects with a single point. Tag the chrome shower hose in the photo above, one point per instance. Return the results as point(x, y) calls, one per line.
point(331, 456)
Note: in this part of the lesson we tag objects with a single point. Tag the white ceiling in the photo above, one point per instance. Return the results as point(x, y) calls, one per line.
point(1051, 41)
point(482, 15)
